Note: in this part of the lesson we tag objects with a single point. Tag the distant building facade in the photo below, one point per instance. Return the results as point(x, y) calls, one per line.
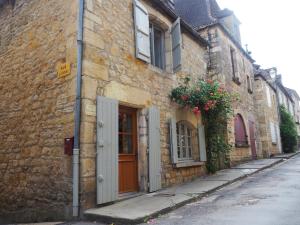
point(267, 111)
point(230, 64)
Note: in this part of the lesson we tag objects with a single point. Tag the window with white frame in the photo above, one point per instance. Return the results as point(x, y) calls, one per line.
point(150, 41)
point(157, 46)
point(187, 143)
point(184, 140)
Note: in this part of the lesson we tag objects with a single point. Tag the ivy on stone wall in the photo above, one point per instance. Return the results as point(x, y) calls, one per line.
point(210, 100)
point(288, 131)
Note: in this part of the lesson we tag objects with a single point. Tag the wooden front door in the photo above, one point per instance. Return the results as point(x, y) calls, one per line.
point(252, 139)
point(128, 176)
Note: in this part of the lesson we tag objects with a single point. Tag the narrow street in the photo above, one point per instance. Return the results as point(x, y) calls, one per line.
point(271, 197)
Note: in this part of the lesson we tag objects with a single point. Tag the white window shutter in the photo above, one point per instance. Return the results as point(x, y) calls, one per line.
point(236, 67)
point(142, 32)
point(173, 141)
point(176, 45)
point(107, 150)
point(154, 150)
point(202, 143)
point(268, 96)
point(273, 133)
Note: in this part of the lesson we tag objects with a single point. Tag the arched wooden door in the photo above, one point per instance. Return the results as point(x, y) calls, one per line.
point(252, 139)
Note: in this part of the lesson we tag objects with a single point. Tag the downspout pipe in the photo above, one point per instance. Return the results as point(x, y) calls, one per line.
point(76, 149)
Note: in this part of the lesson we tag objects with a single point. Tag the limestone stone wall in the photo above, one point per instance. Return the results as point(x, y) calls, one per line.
point(265, 115)
point(36, 109)
point(112, 70)
point(220, 68)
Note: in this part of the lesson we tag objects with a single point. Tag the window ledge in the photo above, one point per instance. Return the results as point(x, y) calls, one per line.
point(188, 164)
point(236, 80)
point(242, 145)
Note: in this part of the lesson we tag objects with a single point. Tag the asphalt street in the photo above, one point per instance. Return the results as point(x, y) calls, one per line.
point(271, 197)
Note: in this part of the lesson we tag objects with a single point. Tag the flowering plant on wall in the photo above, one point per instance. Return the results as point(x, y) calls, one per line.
point(209, 99)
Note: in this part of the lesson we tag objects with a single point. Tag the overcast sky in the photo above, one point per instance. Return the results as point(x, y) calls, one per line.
point(271, 28)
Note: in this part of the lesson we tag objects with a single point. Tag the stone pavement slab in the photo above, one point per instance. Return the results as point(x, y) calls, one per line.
point(257, 164)
point(44, 223)
point(196, 187)
point(141, 208)
point(137, 209)
point(286, 156)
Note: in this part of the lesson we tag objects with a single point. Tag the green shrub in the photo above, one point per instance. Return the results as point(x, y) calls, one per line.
point(288, 131)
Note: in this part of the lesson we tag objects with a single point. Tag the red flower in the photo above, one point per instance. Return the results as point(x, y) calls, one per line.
point(220, 90)
point(196, 111)
point(209, 81)
point(184, 97)
point(206, 108)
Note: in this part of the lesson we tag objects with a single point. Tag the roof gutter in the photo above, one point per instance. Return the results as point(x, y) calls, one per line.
point(76, 149)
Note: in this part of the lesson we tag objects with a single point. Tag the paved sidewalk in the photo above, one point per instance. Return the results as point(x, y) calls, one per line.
point(286, 156)
point(144, 207)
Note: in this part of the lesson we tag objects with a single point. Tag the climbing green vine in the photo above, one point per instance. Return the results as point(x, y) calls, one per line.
point(210, 100)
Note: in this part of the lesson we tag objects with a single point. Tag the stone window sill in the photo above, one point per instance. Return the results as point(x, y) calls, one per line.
point(236, 80)
point(242, 145)
point(159, 70)
point(188, 164)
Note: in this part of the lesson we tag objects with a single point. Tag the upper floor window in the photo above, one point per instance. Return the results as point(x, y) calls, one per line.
point(249, 85)
point(268, 93)
point(157, 46)
point(184, 140)
point(150, 39)
point(234, 67)
point(241, 138)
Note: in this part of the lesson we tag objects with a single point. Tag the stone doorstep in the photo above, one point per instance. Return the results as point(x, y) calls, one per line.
point(141, 208)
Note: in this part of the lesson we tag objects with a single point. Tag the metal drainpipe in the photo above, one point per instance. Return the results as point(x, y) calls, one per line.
point(76, 148)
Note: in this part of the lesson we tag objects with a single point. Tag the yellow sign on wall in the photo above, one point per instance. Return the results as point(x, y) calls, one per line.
point(63, 69)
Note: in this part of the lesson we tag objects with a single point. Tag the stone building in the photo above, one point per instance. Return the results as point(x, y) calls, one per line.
point(286, 97)
point(36, 108)
point(230, 64)
point(296, 100)
point(283, 95)
point(265, 97)
point(106, 67)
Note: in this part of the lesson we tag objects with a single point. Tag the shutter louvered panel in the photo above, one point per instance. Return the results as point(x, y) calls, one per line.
point(142, 32)
point(154, 150)
point(202, 143)
point(236, 67)
point(173, 141)
point(268, 96)
point(176, 45)
point(107, 150)
point(273, 132)
point(234, 63)
point(278, 137)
